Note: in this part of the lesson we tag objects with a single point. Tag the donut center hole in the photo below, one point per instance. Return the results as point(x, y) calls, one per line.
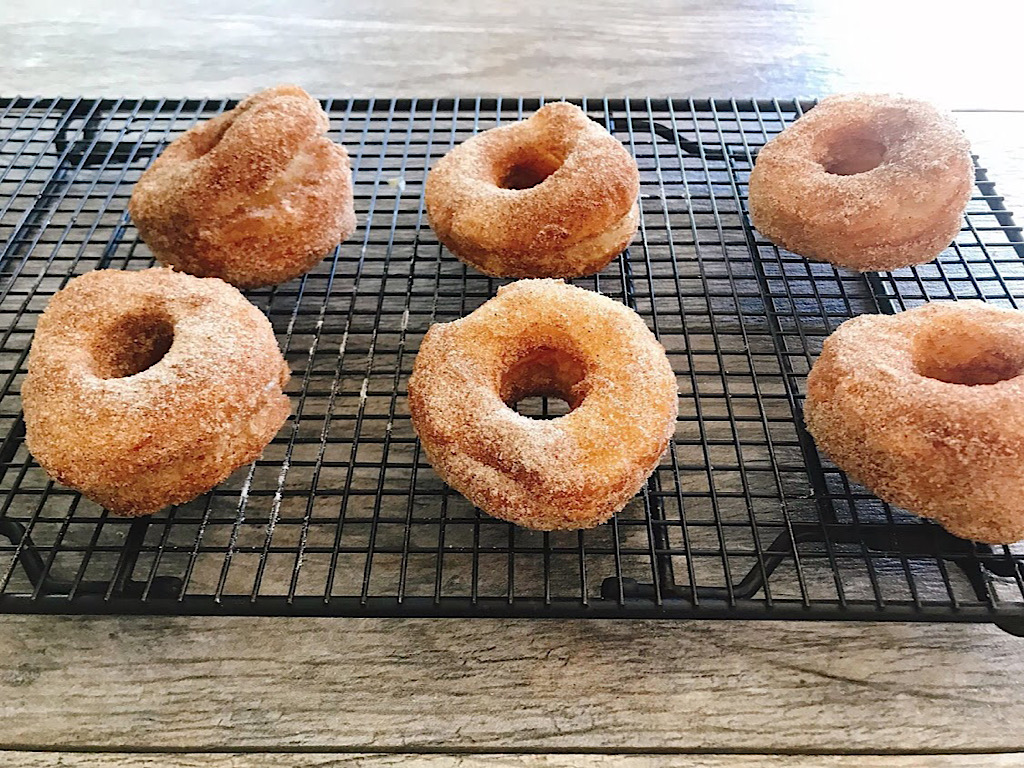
point(209, 139)
point(527, 169)
point(545, 383)
point(542, 407)
point(854, 152)
point(132, 344)
point(979, 368)
point(967, 359)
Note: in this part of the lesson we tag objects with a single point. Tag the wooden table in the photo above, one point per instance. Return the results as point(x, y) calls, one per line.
point(241, 692)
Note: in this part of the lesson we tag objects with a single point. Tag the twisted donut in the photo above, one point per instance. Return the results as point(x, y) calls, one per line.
point(551, 196)
point(255, 196)
point(869, 182)
point(926, 408)
point(543, 337)
point(145, 389)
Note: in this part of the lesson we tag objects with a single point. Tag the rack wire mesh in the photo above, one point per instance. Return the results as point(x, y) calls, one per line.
point(343, 516)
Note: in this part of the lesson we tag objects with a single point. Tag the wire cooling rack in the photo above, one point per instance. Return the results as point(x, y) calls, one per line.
point(343, 516)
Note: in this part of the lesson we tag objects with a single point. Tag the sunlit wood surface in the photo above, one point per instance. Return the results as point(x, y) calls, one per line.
point(342, 690)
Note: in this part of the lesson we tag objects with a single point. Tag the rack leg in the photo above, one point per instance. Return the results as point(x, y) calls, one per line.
point(35, 568)
point(1014, 626)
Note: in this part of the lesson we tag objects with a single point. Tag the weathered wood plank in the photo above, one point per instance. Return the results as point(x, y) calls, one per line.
point(265, 683)
point(615, 47)
point(401, 685)
point(314, 760)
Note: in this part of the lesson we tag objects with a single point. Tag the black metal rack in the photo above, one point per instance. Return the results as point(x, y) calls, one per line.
point(343, 516)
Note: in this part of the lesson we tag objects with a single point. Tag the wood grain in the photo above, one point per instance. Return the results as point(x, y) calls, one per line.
point(264, 684)
point(309, 760)
point(360, 685)
point(356, 684)
point(962, 56)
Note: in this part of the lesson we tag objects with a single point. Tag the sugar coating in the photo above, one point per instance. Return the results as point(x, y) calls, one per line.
point(573, 223)
point(949, 451)
point(255, 196)
point(905, 211)
point(544, 337)
point(162, 436)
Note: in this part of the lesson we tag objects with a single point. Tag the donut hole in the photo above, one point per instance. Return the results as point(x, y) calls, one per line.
point(545, 383)
point(853, 152)
point(527, 169)
point(208, 139)
point(978, 368)
point(132, 344)
point(542, 407)
point(970, 359)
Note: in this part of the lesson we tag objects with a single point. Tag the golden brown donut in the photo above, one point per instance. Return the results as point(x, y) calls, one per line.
point(869, 182)
point(926, 408)
point(145, 389)
point(255, 196)
point(554, 195)
point(543, 337)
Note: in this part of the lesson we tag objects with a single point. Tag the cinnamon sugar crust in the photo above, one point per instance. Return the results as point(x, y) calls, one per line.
point(145, 389)
point(869, 182)
point(544, 337)
point(554, 195)
point(255, 196)
point(925, 408)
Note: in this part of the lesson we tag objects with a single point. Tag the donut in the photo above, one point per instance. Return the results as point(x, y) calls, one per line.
point(255, 196)
point(926, 409)
point(554, 195)
point(544, 337)
point(146, 389)
point(869, 182)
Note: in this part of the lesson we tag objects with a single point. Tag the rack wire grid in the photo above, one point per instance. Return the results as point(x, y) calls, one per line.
point(343, 516)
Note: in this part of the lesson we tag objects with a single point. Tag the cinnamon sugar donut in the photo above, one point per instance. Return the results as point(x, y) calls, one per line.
point(145, 389)
point(552, 196)
point(543, 337)
point(255, 196)
point(869, 182)
point(926, 408)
